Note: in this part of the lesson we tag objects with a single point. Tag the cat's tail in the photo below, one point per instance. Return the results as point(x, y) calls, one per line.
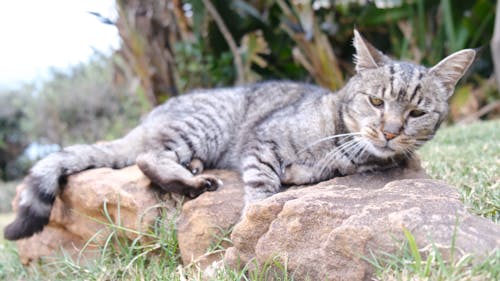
point(45, 179)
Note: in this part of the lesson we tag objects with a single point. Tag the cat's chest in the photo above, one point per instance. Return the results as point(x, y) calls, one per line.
point(334, 164)
point(318, 164)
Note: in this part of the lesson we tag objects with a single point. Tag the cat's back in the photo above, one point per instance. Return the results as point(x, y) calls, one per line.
point(265, 100)
point(247, 103)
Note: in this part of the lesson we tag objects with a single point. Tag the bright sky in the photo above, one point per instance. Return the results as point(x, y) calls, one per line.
point(38, 34)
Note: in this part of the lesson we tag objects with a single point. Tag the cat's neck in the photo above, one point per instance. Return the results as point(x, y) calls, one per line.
point(337, 99)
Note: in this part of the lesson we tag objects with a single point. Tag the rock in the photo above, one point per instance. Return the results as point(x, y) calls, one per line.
point(78, 212)
point(322, 232)
point(205, 220)
point(135, 204)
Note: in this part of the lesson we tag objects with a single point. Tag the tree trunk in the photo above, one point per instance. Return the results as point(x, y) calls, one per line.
point(149, 29)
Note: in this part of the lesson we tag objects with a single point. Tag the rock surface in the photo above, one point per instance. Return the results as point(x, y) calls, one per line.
point(79, 211)
point(205, 220)
point(321, 231)
point(135, 204)
point(324, 231)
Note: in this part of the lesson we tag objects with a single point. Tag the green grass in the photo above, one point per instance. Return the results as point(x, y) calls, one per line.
point(7, 193)
point(412, 263)
point(5, 218)
point(121, 259)
point(467, 157)
point(118, 259)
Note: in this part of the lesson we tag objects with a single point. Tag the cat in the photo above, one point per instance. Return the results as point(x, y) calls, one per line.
point(276, 134)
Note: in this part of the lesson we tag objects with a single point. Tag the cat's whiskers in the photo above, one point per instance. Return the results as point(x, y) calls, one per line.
point(338, 149)
point(355, 151)
point(332, 155)
point(418, 144)
point(326, 139)
point(365, 147)
point(425, 138)
point(344, 149)
point(361, 150)
point(409, 151)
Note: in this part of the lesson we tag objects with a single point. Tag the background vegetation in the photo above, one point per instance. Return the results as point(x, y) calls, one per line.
point(172, 46)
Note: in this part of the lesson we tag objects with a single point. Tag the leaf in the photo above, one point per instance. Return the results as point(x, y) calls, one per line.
point(248, 9)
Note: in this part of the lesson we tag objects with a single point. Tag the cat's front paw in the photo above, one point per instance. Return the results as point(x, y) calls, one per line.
point(202, 183)
point(211, 183)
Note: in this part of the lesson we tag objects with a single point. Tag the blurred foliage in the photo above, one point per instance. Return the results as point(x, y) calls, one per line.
point(13, 139)
point(305, 40)
point(201, 69)
point(78, 105)
point(172, 46)
point(81, 105)
point(7, 193)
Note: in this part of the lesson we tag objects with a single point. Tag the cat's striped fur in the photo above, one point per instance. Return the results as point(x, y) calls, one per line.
point(275, 133)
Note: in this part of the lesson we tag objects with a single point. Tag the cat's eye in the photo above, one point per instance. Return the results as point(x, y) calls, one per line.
point(376, 101)
point(416, 113)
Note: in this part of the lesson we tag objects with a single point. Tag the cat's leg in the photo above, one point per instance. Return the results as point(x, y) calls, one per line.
point(164, 169)
point(296, 174)
point(260, 169)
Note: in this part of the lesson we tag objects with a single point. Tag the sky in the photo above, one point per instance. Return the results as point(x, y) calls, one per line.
point(36, 35)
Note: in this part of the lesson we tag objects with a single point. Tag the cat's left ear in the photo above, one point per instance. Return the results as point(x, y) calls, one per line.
point(453, 67)
point(367, 56)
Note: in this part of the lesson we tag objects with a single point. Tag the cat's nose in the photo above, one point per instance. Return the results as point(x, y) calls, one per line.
point(392, 128)
point(389, 136)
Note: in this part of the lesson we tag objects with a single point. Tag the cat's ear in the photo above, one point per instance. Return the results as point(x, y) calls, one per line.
point(453, 67)
point(367, 56)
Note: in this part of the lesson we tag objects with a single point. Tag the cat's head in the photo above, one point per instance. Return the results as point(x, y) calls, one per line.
point(395, 105)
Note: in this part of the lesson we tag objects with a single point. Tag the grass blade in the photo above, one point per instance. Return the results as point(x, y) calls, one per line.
point(413, 250)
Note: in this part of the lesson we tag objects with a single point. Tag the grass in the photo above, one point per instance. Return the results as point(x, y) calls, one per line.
point(408, 263)
point(7, 193)
point(467, 157)
point(5, 218)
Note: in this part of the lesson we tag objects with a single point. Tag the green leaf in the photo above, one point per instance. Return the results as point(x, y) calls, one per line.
point(449, 26)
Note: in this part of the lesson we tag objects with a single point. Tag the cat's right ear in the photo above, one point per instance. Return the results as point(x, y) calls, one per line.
point(453, 67)
point(367, 56)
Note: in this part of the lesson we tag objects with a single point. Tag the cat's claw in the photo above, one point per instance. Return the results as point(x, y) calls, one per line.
point(211, 184)
point(208, 185)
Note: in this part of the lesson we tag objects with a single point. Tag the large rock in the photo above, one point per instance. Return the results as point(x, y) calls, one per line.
point(205, 220)
point(320, 231)
point(78, 214)
point(324, 231)
point(126, 197)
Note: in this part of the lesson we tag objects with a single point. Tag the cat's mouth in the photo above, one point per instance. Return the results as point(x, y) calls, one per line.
point(381, 148)
point(378, 146)
point(387, 148)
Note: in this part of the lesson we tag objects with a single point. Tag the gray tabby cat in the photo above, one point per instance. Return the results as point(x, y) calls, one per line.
point(275, 134)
